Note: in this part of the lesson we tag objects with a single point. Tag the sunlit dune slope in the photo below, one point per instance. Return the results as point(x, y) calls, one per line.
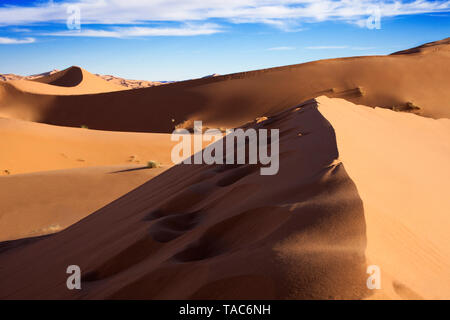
point(30, 147)
point(41, 203)
point(399, 163)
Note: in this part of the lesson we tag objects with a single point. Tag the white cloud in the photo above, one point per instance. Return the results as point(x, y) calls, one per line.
point(281, 48)
point(285, 14)
point(4, 40)
point(126, 32)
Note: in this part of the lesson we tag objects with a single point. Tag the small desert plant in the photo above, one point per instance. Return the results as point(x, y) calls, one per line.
point(152, 164)
point(84, 126)
point(261, 119)
point(188, 125)
point(407, 107)
point(412, 107)
point(360, 91)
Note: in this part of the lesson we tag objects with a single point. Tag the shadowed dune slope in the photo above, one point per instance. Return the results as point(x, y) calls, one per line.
point(70, 77)
point(219, 231)
point(46, 202)
point(416, 82)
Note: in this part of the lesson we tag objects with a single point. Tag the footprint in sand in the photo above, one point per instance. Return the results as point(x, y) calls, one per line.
point(405, 292)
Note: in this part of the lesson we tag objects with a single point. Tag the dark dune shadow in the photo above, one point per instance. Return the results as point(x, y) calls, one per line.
point(70, 77)
point(133, 169)
point(20, 243)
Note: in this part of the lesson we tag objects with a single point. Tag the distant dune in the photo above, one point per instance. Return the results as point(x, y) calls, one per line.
point(129, 84)
point(71, 81)
point(363, 181)
point(442, 45)
point(10, 76)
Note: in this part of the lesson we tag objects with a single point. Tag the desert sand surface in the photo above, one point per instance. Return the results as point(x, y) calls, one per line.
point(191, 233)
point(227, 232)
point(45, 202)
point(399, 163)
point(415, 82)
point(30, 147)
point(363, 180)
point(38, 163)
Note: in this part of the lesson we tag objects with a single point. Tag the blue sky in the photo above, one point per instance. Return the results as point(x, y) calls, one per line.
point(176, 40)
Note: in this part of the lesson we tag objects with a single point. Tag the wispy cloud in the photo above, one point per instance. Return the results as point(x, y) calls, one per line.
point(280, 49)
point(288, 15)
point(326, 47)
point(127, 32)
point(265, 11)
point(4, 40)
point(339, 47)
point(363, 48)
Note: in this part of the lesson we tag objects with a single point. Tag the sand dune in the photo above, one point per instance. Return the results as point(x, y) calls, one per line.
point(420, 82)
point(130, 84)
point(357, 185)
point(399, 163)
point(41, 203)
point(30, 147)
point(117, 81)
point(11, 76)
point(197, 224)
point(72, 81)
point(442, 45)
point(341, 201)
point(33, 203)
